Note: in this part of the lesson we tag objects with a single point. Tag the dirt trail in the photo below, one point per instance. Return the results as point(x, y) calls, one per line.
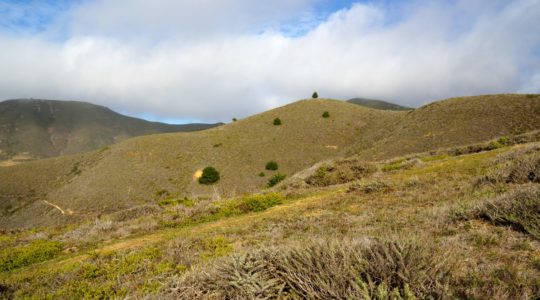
point(68, 212)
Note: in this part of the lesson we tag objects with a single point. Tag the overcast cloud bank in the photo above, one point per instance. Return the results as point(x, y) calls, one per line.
point(213, 60)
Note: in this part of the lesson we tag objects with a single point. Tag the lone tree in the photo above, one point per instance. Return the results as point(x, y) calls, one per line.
point(234, 119)
point(315, 95)
point(209, 176)
point(271, 165)
point(277, 121)
point(326, 115)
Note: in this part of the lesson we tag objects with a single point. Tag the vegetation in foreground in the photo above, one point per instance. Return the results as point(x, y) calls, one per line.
point(435, 228)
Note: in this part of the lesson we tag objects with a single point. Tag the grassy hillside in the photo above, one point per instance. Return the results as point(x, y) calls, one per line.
point(31, 129)
point(459, 121)
point(443, 227)
point(147, 170)
point(377, 104)
point(135, 171)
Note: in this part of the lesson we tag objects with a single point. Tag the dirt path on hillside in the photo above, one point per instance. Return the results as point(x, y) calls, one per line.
point(67, 212)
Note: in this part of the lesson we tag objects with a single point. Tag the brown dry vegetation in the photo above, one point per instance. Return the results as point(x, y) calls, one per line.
point(134, 172)
point(417, 232)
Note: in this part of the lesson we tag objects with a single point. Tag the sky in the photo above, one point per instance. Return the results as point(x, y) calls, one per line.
point(181, 61)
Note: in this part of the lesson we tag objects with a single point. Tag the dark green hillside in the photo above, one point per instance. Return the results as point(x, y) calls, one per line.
point(377, 104)
point(31, 129)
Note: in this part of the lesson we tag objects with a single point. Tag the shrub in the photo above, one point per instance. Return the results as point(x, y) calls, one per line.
point(21, 256)
point(368, 187)
point(171, 202)
point(275, 180)
point(315, 95)
point(516, 168)
point(257, 203)
point(262, 174)
point(323, 270)
point(519, 210)
point(277, 121)
point(234, 119)
point(339, 172)
point(494, 145)
point(403, 164)
point(272, 165)
point(326, 115)
point(209, 176)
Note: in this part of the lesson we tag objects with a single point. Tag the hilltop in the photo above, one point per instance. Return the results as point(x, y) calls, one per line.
point(32, 128)
point(145, 170)
point(377, 104)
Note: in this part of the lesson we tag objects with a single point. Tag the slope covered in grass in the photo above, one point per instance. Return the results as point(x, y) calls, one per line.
point(32, 129)
point(146, 170)
point(311, 242)
point(142, 169)
point(459, 121)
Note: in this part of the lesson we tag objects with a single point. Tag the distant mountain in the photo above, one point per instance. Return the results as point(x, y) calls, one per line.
point(377, 104)
point(32, 129)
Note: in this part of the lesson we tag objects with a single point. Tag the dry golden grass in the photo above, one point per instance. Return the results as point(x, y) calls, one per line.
point(133, 172)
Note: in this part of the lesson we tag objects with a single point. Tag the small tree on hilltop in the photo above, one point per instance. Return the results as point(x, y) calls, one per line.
point(209, 176)
point(315, 95)
point(277, 121)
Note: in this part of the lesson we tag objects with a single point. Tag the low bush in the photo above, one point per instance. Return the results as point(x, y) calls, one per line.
point(370, 186)
point(21, 256)
point(209, 176)
point(234, 207)
point(517, 168)
point(262, 174)
point(404, 164)
point(339, 172)
point(519, 210)
point(275, 180)
point(277, 121)
point(326, 115)
point(181, 201)
point(271, 166)
point(357, 269)
point(256, 203)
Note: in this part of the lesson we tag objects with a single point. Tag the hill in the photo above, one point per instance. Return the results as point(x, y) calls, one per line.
point(444, 227)
point(146, 170)
point(459, 121)
point(377, 104)
point(33, 129)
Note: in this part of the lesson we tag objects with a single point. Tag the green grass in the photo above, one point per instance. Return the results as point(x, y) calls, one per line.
point(21, 256)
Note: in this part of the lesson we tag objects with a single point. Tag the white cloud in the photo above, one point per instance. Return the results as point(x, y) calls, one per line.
point(188, 64)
